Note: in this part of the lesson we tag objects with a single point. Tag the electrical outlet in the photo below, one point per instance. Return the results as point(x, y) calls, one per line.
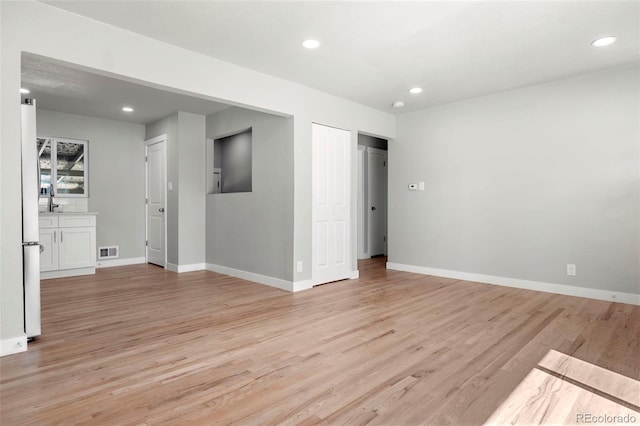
point(299, 266)
point(571, 269)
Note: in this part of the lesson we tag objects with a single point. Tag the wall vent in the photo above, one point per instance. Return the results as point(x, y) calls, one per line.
point(108, 252)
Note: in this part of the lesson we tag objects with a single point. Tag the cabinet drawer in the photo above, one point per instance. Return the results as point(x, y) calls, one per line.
point(47, 222)
point(76, 221)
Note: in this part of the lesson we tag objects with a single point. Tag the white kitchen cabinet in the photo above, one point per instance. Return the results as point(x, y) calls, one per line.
point(77, 248)
point(48, 250)
point(69, 245)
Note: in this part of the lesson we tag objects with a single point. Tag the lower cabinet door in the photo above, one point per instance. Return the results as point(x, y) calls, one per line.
point(77, 248)
point(49, 249)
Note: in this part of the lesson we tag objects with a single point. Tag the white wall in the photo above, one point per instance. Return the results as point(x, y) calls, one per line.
point(169, 126)
point(185, 209)
point(116, 175)
point(191, 180)
point(521, 183)
point(253, 231)
point(98, 47)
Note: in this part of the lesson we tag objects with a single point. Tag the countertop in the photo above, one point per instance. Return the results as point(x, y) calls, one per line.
point(68, 214)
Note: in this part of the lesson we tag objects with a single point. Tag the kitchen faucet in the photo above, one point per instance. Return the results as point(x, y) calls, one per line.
point(52, 205)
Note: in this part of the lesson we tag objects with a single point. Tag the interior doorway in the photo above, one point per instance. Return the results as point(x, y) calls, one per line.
point(372, 196)
point(156, 200)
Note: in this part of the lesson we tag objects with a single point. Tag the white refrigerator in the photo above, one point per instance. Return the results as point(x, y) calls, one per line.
point(30, 231)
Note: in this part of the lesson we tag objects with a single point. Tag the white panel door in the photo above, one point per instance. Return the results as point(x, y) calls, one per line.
point(331, 178)
point(156, 203)
point(377, 171)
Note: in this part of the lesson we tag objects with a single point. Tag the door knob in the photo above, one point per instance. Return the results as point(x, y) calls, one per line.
point(373, 208)
point(161, 209)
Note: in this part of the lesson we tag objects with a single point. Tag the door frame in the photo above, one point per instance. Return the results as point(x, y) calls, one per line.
point(147, 144)
point(349, 209)
point(363, 197)
point(385, 154)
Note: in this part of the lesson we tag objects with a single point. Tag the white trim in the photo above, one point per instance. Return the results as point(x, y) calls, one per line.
point(568, 290)
point(377, 151)
point(67, 273)
point(355, 275)
point(361, 208)
point(193, 267)
point(302, 285)
point(186, 268)
point(13, 345)
point(54, 171)
point(147, 143)
point(381, 152)
point(161, 138)
point(260, 279)
point(120, 262)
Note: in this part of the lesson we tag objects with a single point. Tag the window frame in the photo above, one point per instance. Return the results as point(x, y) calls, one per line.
point(54, 169)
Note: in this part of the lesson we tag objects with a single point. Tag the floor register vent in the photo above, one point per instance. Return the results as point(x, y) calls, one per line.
point(108, 252)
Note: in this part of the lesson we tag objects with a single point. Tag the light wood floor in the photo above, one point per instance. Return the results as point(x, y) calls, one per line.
point(140, 345)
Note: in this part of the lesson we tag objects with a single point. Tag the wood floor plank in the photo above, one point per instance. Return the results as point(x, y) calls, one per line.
point(141, 345)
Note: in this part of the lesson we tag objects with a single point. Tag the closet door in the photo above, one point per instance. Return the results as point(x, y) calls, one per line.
point(331, 177)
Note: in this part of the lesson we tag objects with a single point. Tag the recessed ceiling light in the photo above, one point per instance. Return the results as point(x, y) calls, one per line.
point(415, 90)
point(127, 109)
point(311, 44)
point(24, 91)
point(397, 104)
point(604, 41)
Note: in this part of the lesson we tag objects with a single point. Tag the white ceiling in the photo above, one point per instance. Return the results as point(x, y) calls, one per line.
point(372, 52)
point(62, 88)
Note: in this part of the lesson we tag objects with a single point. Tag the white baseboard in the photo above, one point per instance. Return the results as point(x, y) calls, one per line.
point(192, 267)
point(13, 345)
point(186, 268)
point(108, 263)
point(260, 279)
point(302, 285)
point(568, 290)
point(67, 273)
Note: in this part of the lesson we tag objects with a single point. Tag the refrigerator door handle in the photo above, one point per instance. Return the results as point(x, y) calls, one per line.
point(39, 178)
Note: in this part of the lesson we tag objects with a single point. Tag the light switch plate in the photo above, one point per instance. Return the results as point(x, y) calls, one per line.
point(421, 186)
